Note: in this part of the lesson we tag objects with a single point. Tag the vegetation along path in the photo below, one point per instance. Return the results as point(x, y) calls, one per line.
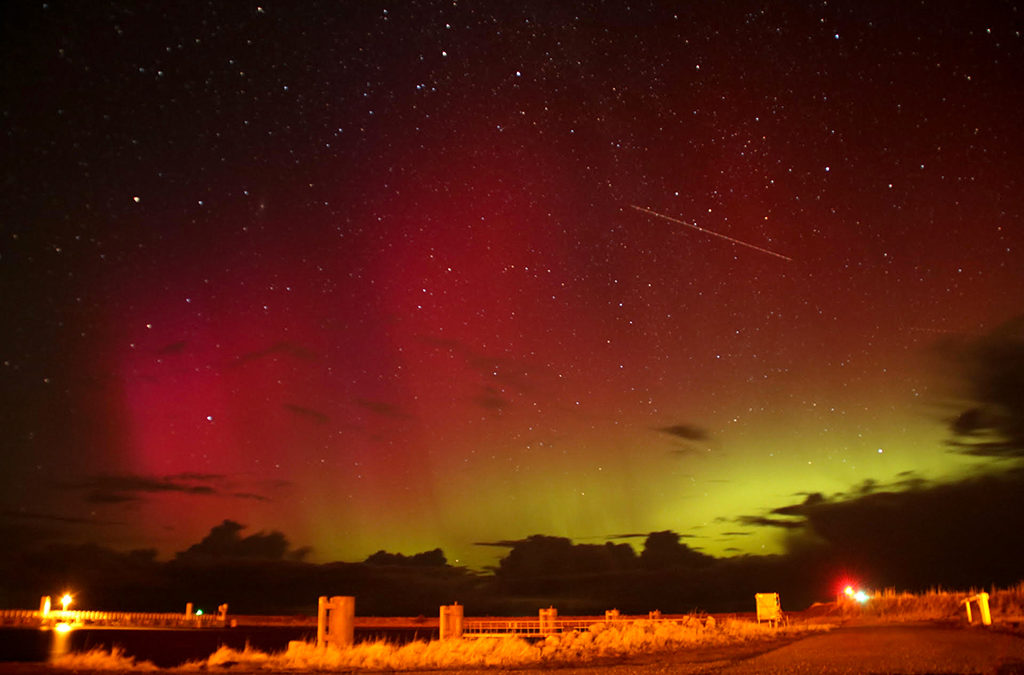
point(892, 649)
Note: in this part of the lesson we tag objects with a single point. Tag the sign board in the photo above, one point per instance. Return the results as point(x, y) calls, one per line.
point(768, 607)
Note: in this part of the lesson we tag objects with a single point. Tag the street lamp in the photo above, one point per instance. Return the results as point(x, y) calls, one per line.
point(66, 600)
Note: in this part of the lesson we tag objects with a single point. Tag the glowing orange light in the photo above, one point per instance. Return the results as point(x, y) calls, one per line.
point(62, 627)
point(66, 600)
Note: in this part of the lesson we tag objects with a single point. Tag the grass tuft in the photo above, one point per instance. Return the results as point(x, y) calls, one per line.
point(100, 659)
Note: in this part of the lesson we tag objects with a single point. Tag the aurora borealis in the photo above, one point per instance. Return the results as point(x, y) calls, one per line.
point(370, 275)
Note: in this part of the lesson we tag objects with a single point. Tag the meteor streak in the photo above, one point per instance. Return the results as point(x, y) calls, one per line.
point(716, 234)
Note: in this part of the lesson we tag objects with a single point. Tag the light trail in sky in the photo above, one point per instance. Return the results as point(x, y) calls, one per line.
point(711, 232)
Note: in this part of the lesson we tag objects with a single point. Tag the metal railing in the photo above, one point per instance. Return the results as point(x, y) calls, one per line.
point(81, 618)
point(537, 628)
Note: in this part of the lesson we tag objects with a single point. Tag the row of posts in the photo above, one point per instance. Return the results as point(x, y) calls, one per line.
point(450, 625)
point(336, 617)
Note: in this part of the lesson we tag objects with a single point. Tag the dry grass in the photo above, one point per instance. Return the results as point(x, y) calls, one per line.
point(599, 640)
point(934, 605)
point(101, 659)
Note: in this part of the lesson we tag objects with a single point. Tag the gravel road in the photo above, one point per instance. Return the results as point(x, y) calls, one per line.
point(922, 649)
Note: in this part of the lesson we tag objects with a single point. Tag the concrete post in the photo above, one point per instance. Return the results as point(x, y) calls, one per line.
point(335, 621)
point(188, 609)
point(547, 620)
point(450, 625)
point(611, 614)
point(321, 622)
point(44, 606)
point(654, 615)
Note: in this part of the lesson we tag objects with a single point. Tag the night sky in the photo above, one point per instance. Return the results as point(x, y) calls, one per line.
point(373, 275)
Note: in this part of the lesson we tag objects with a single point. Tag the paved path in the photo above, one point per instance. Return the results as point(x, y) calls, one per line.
point(920, 648)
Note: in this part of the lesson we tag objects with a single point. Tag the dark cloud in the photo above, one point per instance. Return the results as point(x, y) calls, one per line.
point(102, 497)
point(289, 349)
point(764, 521)
point(992, 367)
point(501, 543)
point(492, 369)
point(52, 517)
point(172, 348)
point(24, 530)
point(687, 432)
point(194, 475)
point(251, 495)
point(225, 541)
point(308, 413)
point(491, 399)
point(110, 489)
point(383, 409)
point(433, 558)
point(960, 533)
point(909, 478)
point(811, 499)
point(127, 488)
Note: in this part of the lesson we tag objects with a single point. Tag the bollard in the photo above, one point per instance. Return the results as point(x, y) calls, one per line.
point(188, 609)
point(335, 621)
point(654, 615)
point(44, 606)
point(547, 620)
point(222, 612)
point(450, 625)
point(611, 614)
point(986, 615)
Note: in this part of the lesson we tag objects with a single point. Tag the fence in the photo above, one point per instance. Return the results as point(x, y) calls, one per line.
point(83, 618)
point(454, 625)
